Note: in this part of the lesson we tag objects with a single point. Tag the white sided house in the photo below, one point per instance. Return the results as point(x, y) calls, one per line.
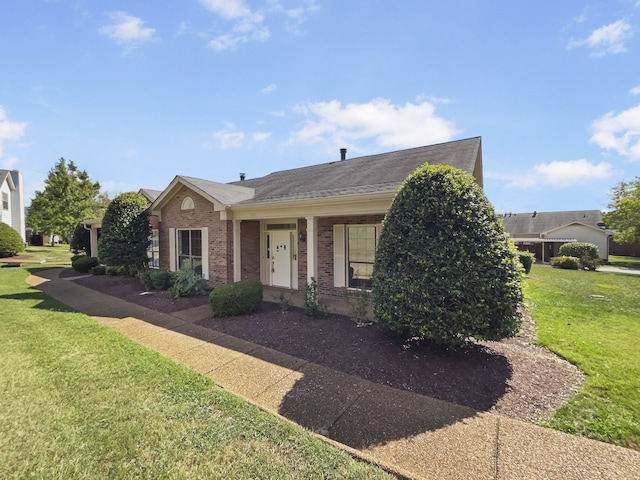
point(12, 208)
point(321, 221)
point(544, 232)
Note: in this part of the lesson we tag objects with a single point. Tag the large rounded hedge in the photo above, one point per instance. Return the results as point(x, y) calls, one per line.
point(445, 269)
point(11, 242)
point(125, 232)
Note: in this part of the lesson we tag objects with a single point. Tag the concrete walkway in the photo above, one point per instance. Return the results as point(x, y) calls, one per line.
point(412, 435)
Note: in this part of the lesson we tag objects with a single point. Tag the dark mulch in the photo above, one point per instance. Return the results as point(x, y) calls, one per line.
point(515, 377)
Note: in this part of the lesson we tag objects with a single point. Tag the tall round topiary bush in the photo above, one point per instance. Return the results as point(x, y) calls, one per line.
point(126, 232)
point(445, 269)
point(10, 241)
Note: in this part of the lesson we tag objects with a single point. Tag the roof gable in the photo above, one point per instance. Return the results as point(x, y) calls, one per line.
point(221, 195)
point(5, 176)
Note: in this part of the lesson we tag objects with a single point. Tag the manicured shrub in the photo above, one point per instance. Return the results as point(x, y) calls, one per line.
point(565, 262)
point(80, 240)
point(99, 270)
point(526, 260)
point(10, 241)
point(156, 279)
point(84, 264)
point(236, 298)
point(445, 270)
point(579, 250)
point(587, 254)
point(126, 232)
point(187, 283)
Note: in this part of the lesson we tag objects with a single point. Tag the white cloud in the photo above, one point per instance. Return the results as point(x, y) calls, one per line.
point(247, 25)
point(269, 88)
point(562, 174)
point(635, 90)
point(229, 137)
point(261, 136)
point(9, 131)
point(128, 31)
point(391, 126)
point(609, 39)
point(620, 132)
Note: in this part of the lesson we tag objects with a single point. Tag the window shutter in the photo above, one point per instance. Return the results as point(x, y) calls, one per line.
point(205, 253)
point(172, 249)
point(339, 256)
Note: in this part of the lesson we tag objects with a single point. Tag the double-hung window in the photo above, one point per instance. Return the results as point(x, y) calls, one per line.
point(190, 250)
point(153, 252)
point(354, 254)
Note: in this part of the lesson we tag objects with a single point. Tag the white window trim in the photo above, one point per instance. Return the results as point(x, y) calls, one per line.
point(340, 253)
point(173, 252)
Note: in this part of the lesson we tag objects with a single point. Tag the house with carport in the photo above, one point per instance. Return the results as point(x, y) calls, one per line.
point(543, 233)
point(321, 221)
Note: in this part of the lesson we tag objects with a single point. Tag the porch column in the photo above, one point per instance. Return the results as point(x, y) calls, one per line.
point(237, 267)
point(312, 248)
point(93, 241)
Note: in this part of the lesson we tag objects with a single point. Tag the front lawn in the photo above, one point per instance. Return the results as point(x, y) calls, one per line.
point(79, 400)
point(593, 320)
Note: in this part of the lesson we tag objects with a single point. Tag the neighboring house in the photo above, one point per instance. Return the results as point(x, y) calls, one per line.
point(321, 221)
point(94, 225)
point(544, 232)
point(12, 208)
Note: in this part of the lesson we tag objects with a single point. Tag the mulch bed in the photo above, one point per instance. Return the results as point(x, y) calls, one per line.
point(515, 377)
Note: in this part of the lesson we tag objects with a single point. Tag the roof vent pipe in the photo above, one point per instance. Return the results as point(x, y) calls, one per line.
point(343, 154)
point(242, 177)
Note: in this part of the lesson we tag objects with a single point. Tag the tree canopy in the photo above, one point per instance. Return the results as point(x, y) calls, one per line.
point(68, 197)
point(445, 269)
point(624, 213)
point(126, 232)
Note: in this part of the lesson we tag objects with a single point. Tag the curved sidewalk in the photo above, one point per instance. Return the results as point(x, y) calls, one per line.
point(412, 435)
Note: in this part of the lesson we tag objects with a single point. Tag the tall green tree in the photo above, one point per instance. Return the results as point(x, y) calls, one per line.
point(624, 213)
point(126, 232)
point(69, 196)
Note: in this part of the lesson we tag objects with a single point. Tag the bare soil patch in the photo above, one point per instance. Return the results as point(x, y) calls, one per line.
point(515, 377)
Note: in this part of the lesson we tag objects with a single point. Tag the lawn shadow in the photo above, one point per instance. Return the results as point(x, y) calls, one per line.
point(45, 302)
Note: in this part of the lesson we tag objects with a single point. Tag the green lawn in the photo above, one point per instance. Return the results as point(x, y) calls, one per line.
point(593, 320)
point(624, 262)
point(51, 255)
point(79, 400)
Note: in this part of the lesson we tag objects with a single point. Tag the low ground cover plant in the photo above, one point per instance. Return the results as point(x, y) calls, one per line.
point(237, 298)
point(187, 283)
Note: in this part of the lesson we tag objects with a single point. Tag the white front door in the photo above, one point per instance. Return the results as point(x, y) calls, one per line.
point(280, 245)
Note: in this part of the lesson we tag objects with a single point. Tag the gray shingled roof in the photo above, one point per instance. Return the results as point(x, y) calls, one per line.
point(224, 193)
point(3, 176)
point(528, 223)
point(370, 174)
point(150, 194)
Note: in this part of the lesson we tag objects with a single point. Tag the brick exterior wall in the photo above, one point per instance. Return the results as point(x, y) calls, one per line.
point(220, 247)
point(250, 246)
point(325, 249)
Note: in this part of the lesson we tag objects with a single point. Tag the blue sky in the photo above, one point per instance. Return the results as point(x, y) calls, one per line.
point(136, 92)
